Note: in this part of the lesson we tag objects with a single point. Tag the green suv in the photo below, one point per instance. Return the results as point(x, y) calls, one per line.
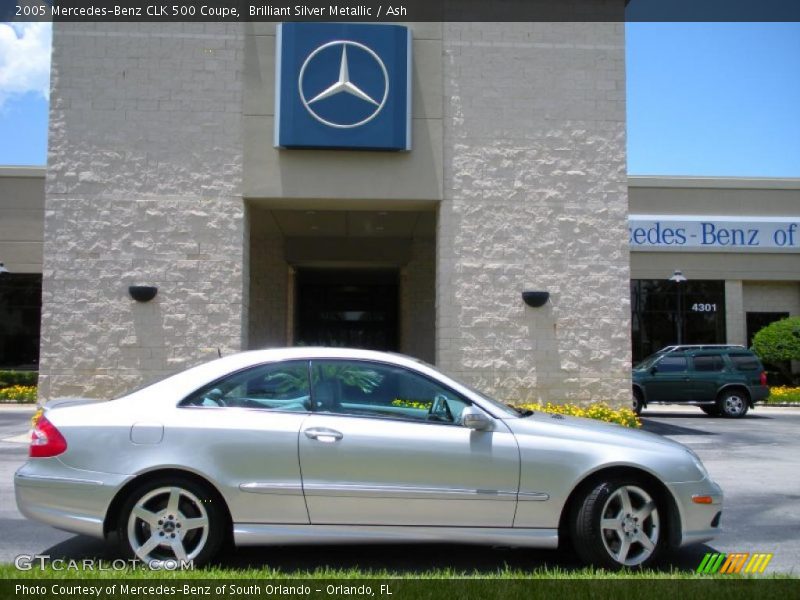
point(722, 380)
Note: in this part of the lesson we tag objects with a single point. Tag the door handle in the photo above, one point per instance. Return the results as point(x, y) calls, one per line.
point(323, 434)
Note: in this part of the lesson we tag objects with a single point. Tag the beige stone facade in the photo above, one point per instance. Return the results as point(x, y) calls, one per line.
point(162, 172)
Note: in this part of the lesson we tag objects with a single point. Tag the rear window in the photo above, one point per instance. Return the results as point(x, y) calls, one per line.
point(670, 364)
point(745, 362)
point(707, 364)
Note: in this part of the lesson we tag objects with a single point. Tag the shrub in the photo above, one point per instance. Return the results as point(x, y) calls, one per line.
point(779, 342)
point(598, 410)
point(25, 394)
point(781, 394)
point(9, 378)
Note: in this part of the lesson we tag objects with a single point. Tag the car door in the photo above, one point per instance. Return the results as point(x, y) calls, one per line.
point(669, 380)
point(384, 447)
point(706, 376)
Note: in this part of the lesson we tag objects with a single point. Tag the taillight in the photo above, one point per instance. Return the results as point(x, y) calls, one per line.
point(763, 378)
point(46, 440)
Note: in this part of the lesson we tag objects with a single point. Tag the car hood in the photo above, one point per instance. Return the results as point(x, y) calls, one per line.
point(591, 430)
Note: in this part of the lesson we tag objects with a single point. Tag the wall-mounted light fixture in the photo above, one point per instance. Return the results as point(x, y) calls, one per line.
point(143, 293)
point(535, 299)
point(3, 269)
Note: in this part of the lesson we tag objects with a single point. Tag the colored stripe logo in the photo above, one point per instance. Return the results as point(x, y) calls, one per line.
point(736, 562)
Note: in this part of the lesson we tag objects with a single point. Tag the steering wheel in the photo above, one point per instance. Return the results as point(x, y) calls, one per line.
point(439, 410)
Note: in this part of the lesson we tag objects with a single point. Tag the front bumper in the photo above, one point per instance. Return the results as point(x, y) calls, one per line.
point(70, 499)
point(699, 522)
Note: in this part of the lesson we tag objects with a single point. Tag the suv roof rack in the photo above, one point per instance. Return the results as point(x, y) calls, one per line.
point(680, 347)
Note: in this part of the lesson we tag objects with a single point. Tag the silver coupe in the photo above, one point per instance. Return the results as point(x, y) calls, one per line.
point(323, 445)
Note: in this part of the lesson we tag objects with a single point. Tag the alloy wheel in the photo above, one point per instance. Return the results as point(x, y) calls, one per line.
point(168, 523)
point(630, 525)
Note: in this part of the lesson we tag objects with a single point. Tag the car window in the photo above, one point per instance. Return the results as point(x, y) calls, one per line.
point(671, 364)
point(711, 363)
point(274, 386)
point(745, 362)
point(363, 388)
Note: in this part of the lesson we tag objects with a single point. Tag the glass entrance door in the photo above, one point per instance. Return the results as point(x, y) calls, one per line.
point(356, 308)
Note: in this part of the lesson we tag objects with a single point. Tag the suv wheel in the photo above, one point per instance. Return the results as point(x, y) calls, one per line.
point(733, 404)
point(636, 402)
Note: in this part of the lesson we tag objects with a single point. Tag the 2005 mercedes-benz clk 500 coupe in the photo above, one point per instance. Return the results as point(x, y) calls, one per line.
point(308, 445)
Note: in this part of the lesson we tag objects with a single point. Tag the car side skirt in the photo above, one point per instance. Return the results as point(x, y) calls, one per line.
point(256, 534)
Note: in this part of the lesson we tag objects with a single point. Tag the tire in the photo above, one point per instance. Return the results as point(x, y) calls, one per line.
point(637, 402)
point(733, 404)
point(171, 518)
point(619, 523)
point(711, 411)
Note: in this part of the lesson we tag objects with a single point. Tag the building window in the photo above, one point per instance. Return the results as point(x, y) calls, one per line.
point(654, 306)
point(20, 314)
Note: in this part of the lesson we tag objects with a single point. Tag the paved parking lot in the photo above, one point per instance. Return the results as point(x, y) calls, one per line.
point(756, 460)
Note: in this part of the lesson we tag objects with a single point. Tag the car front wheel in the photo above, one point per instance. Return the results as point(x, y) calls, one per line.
point(171, 519)
point(618, 524)
point(733, 404)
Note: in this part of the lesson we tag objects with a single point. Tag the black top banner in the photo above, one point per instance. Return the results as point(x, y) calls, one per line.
point(399, 10)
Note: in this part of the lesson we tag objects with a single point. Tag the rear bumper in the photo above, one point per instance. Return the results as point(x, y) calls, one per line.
point(758, 392)
point(50, 492)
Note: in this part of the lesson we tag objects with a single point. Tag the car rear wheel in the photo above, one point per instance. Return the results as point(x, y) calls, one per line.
point(171, 519)
point(733, 404)
point(637, 402)
point(618, 524)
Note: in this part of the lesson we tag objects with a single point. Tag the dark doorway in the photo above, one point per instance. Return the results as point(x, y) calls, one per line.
point(354, 308)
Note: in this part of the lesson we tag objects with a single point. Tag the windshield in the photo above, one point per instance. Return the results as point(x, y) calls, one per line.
point(648, 362)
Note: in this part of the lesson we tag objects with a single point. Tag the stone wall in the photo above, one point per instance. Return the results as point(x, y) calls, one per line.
point(535, 197)
point(143, 187)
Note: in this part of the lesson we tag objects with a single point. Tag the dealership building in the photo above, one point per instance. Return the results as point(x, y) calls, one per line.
point(452, 191)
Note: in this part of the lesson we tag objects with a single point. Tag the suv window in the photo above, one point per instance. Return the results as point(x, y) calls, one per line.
point(745, 362)
point(710, 363)
point(671, 364)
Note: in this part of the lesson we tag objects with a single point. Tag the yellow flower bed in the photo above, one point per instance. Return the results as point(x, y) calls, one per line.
point(783, 393)
point(18, 393)
point(598, 410)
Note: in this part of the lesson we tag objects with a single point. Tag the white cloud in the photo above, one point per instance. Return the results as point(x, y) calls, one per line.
point(24, 59)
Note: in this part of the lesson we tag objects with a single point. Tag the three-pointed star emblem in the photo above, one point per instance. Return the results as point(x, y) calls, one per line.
point(343, 85)
point(370, 69)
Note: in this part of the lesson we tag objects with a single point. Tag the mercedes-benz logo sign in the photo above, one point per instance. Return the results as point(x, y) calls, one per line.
point(363, 96)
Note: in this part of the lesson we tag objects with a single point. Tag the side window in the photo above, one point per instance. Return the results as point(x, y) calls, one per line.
point(274, 386)
point(708, 363)
point(370, 389)
point(745, 362)
point(671, 364)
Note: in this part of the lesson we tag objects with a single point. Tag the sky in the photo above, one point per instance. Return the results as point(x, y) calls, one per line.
point(704, 99)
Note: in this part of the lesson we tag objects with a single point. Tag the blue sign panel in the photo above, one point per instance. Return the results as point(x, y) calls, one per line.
point(341, 85)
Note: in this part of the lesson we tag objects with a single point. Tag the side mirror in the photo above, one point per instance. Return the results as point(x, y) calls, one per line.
point(653, 370)
point(475, 418)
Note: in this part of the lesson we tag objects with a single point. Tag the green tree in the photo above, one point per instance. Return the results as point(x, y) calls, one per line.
point(778, 343)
